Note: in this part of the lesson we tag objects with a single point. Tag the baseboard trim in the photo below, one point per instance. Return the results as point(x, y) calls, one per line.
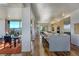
point(26, 53)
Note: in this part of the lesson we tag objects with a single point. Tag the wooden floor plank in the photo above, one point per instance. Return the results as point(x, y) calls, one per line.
point(38, 50)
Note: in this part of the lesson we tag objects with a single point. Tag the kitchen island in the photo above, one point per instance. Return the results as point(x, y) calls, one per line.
point(57, 42)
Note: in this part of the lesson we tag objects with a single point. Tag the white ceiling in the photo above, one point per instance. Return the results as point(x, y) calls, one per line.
point(46, 11)
point(3, 4)
point(12, 10)
point(14, 5)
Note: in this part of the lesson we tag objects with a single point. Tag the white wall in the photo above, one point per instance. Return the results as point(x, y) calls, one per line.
point(3, 14)
point(74, 20)
point(33, 25)
point(15, 13)
point(2, 27)
point(26, 36)
point(33, 30)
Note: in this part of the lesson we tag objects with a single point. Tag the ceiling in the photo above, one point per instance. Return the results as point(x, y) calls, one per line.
point(14, 5)
point(12, 10)
point(44, 12)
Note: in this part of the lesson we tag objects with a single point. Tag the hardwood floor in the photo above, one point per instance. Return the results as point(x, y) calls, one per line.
point(38, 50)
point(74, 50)
point(36, 47)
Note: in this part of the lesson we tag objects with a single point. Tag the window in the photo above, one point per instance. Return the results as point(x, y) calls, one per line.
point(76, 28)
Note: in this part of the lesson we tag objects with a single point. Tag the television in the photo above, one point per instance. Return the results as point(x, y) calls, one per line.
point(15, 24)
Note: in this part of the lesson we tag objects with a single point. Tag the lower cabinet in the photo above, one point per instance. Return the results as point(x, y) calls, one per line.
point(45, 43)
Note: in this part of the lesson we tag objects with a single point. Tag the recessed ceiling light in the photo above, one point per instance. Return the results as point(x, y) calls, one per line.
point(63, 14)
point(9, 16)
